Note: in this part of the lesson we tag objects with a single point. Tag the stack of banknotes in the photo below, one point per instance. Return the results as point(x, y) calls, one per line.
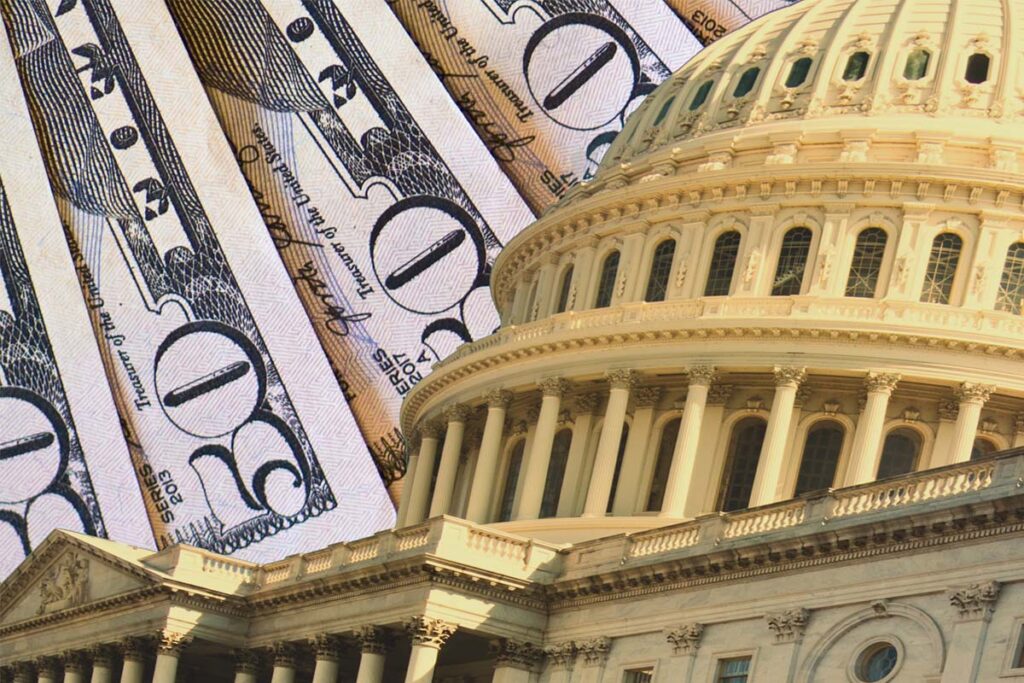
point(235, 233)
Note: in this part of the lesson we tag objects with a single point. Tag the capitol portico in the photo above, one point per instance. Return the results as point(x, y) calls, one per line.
point(755, 411)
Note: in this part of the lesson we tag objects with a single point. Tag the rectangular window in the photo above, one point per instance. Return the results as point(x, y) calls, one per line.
point(644, 675)
point(1018, 660)
point(733, 670)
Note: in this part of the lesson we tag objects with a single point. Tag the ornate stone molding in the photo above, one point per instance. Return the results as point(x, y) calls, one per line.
point(431, 429)
point(516, 654)
point(135, 648)
point(75, 661)
point(975, 601)
point(881, 382)
point(621, 379)
point(246, 661)
point(595, 651)
point(561, 655)
point(283, 653)
point(498, 398)
point(429, 632)
point(646, 397)
point(172, 643)
point(457, 412)
point(1018, 423)
point(789, 625)
point(971, 392)
point(803, 394)
point(532, 415)
point(789, 376)
point(685, 639)
point(719, 394)
point(327, 646)
point(47, 666)
point(587, 403)
point(102, 655)
point(65, 585)
point(704, 375)
point(948, 410)
point(553, 386)
point(24, 671)
point(373, 640)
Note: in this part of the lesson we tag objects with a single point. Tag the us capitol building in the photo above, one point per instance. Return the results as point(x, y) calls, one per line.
point(750, 416)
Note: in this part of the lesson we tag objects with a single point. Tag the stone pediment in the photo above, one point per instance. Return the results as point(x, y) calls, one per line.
point(65, 573)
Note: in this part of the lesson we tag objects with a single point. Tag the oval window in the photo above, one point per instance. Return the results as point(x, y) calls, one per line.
point(701, 95)
point(798, 72)
point(877, 662)
point(746, 82)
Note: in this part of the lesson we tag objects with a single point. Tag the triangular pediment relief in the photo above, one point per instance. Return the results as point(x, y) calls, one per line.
point(65, 573)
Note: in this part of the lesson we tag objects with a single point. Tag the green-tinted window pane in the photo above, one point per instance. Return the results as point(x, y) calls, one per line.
point(664, 110)
point(917, 65)
point(701, 95)
point(746, 82)
point(856, 66)
point(798, 72)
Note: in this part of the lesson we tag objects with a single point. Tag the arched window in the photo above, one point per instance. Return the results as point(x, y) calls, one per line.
point(821, 455)
point(798, 72)
point(789, 273)
point(856, 66)
point(723, 263)
point(701, 95)
point(867, 263)
point(977, 68)
point(746, 82)
point(664, 110)
point(899, 453)
point(741, 468)
point(564, 290)
point(1011, 285)
point(981, 448)
point(917, 65)
point(666, 448)
point(606, 285)
point(556, 473)
point(938, 279)
point(618, 466)
point(661, 268)
point(508, 494)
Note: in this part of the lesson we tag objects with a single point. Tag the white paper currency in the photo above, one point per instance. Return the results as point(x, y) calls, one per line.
point(386, 208)
point(63, 459)
point(229, 403)
point(547, 84)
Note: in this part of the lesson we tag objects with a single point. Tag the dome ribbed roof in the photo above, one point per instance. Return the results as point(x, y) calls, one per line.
point(920, 64)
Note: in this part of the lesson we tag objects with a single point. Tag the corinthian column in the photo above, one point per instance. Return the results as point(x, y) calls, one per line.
point(247, 665)
point(24, 672)
point(419, 488)
point(373, 646)
point(133, 656)
point(102, 661)
point(170, 645)
point(284, 662)
point(620, 383)
point(481, 493)
point(513, 661)
point(772, 461)
point(684, 456)
point(456, 416)
point(867, 440)
point(971, 398)
point(327, 648)
point(428, 637)
point(75, 666)
point(532, 486)
point(48, 669)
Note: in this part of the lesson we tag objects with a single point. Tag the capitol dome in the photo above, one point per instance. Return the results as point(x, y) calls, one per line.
point(800, 267)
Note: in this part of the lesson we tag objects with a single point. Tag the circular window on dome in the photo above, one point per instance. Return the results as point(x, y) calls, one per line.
point(877, 662)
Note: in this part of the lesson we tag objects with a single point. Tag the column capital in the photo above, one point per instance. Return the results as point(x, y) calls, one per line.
point(587, 403)
point(24, 670)
point(971, 392)
point(498, 398)
point(457, 412)
point(789, 376)
point(516, 654)
point(75, 661)
point(102, 655)
point(1018, 423)
point(47, 666)
point(881, 382)
point(247, 661)
point(373, 640)
point(327, 646)
point(561, 655)
point(685, 639)
point(719, 394)
point(553, 386)
point(171, 643)
point(621, 379)
point(789, 625)
point(284, 653)
point(135, 648)
point(430, 429)
point(430, 632)
point(975, 601)
point(948, 410)
point(646, 397)
point(701, 374)
point(595, 650)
